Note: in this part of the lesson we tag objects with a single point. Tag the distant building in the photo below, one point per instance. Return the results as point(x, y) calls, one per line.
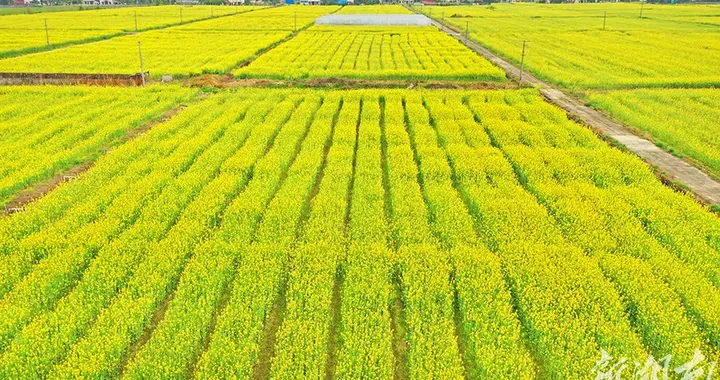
point(100, 2)
point(22, 2)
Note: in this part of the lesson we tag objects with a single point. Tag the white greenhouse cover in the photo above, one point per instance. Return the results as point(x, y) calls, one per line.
point(412, 20)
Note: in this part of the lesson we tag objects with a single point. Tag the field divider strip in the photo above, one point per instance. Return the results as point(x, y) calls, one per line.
point(261, 370)
point(400, 345)
point(394, 245)
point(467, 356)
point(336, 300)
point(336, 312)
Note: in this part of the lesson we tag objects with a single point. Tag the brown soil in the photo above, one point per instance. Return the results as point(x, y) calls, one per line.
point(227, 81)
point(267, 347)
point(41, 188)
point(399, 332)
point(157, 316)
point(335, 309)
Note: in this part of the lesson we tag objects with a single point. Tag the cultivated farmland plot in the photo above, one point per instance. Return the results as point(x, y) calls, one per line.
point(668, 47)
point(380, 233)
point(370, 233)
point(26, 33)
point(177, 52)
point(683, 121)
point(212, 46)
point(46, 131)
point(372, 52)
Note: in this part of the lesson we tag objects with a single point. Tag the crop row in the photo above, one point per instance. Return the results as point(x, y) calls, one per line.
point(299, 233)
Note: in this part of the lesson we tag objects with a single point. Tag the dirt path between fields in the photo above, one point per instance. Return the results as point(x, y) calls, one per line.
point(39, 189)
point(672, 168)
point(228, 81)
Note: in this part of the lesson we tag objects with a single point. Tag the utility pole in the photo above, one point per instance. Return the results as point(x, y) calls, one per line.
point(181, 15)
point(642, 5)
point(604, 20)
point(47, 34)
point(522, 65)
point(295, 17)
point(142, 67)
point(211, 11)
point(443, 19)
point(136, 28)
point(467, 32)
